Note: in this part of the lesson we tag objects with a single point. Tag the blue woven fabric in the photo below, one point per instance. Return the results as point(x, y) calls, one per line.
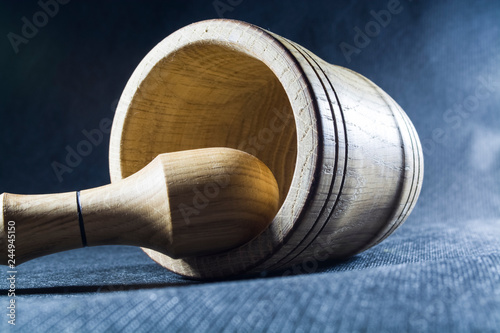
point(440, 272)
point(426, 277)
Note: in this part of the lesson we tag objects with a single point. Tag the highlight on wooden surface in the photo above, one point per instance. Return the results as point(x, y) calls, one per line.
point(189, 203)
point(347, 159)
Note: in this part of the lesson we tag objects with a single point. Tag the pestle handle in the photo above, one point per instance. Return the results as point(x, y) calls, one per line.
point(182, 204)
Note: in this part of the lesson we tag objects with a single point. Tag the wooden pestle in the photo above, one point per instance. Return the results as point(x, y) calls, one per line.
point(182, 204)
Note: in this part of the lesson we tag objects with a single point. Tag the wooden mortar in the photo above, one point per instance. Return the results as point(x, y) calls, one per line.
point(347, 159)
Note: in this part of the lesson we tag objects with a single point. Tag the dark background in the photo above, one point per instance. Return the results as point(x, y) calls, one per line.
point(432, 58)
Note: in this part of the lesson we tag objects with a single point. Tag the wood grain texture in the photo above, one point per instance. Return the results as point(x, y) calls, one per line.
point(189, 203)
point(44, 224)
point(347, 159)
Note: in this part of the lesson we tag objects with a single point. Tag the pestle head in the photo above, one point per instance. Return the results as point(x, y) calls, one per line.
point(219, 198)
point(185, 204)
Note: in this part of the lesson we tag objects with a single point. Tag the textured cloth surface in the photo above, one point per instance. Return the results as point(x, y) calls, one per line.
point(426, 277)
point(439, 272)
